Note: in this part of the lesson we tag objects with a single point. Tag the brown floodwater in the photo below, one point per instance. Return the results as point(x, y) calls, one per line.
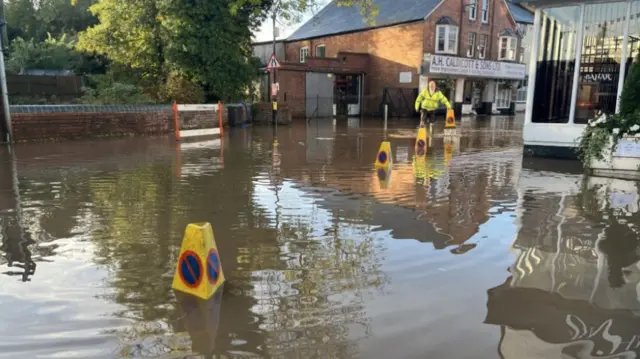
point(470, 252)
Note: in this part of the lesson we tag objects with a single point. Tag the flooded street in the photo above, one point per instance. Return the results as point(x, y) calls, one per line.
point(473, 253)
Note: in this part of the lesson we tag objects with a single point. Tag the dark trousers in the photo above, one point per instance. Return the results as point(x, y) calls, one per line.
point(427, 116)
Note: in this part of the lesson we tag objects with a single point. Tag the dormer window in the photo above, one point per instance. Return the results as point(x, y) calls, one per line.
point(508, 45)
point(446, 36)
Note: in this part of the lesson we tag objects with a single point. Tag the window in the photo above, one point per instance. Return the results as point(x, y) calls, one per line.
point(471, 45)
point(473, 9)
point(304, 52)
point(485, 11)
point(521, 55)
point(446, 39)
point(521, 95)
point(508, 48)
point(482, 46)
point(320, 51)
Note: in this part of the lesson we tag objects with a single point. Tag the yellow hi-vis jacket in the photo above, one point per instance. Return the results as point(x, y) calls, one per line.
point(429, 102)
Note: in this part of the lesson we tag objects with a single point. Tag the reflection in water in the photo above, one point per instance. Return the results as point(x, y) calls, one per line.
point(324, 258)
point(575, 284)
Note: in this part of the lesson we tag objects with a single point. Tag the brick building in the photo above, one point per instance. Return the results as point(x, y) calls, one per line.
point(337, 64)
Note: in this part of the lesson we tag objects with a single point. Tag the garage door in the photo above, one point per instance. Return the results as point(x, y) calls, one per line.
point(319, 98)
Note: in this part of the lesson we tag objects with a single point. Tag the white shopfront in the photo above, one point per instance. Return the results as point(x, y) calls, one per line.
point(498, 79)
point(578, 66)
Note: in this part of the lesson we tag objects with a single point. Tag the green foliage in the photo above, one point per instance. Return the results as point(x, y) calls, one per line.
point(291, 12)
point(602, 135)
point(52, 54)
point(108, 89)
point(31, 19)
point(630, 99)
point(181, 90)
point(129, 33)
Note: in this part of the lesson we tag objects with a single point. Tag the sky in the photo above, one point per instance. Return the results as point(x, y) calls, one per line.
point(265, 33)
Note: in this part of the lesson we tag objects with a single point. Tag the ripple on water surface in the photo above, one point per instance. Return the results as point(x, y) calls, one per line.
point(461, 253)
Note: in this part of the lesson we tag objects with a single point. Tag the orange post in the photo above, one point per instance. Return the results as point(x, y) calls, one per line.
point(176, 121)
point(220, 118)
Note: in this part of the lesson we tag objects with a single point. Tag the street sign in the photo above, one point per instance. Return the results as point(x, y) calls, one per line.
point(273, 63)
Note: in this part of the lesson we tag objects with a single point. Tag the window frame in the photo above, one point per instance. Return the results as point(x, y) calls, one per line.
point(483, 54)
point(485, 11)
point(447, 40)
point(471, 45)
point(473, 10)
point(510, 51)
point(325, 50)
point(303, 58)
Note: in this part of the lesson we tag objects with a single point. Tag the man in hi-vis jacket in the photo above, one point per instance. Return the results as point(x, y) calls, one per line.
point(428, 101)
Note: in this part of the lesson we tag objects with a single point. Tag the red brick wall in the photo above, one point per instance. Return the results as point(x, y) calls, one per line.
point(392, 50)
point(499, 19)
point(292, 83)
point(43, 126)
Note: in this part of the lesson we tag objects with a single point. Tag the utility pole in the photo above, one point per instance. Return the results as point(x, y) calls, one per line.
point(3, 78)
point(275, 81)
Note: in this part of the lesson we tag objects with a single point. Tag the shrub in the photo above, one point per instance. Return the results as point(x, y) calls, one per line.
point(181, 90)
point(630, 99)
point(107, 90)
point(52, 54)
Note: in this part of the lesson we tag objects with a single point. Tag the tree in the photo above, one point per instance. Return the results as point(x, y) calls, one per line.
point(31, 19)
point(630, 99)
point(292, 11)
point(209, 45)
point(52, 54)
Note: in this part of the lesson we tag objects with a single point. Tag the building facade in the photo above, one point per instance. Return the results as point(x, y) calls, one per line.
point(579, 62)
point(336, 64)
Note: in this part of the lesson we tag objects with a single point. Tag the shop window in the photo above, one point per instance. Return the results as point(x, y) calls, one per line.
point(521, 95)
point(555, 64)
point(471, 44)
point(503, 94)
point(485, 11)
point(304, 53)
point(483, 41)
point(321, 51)
point(473, 9)
point(446, 39)
point(602, 38)
point(508, 46)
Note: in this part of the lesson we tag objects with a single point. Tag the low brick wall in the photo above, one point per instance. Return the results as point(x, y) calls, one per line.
point(55, 122)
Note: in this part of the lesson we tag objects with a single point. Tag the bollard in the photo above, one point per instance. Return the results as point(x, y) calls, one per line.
point(220, 124)
point(421, 142)
point(383, 159)
point(176, 121)
point(199, 270)
point(386, 114)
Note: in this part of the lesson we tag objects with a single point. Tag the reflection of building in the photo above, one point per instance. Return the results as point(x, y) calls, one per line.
point(561, 299)
point(582, 58)
point(446, 210)
point(338, 64)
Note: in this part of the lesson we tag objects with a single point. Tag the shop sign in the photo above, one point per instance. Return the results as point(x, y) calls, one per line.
point(460, 66)
point(599, 77)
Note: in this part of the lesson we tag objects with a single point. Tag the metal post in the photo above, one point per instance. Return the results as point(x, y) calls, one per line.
point(623, 63)
point(533, 62)
point(3, 79)
point(576, 70)
point(275, 71)
point(386, 114)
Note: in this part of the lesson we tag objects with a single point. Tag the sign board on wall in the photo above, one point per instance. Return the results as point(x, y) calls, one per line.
point(405, 77)
point(628, 148)
point(460, 66)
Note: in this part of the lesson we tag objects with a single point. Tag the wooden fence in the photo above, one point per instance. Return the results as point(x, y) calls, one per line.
point(63, 87)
